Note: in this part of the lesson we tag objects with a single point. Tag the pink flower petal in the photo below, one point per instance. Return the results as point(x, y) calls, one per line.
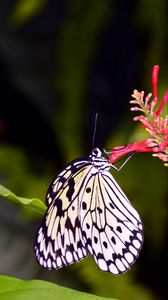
point(155, 72)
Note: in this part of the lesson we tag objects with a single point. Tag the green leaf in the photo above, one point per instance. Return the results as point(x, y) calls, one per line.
point(17, 289)
point(34, 204)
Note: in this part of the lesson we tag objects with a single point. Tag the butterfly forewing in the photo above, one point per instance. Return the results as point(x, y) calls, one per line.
point(59, 240)
point(88, 212)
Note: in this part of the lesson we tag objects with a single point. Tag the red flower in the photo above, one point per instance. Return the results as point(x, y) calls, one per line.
point(152, 121)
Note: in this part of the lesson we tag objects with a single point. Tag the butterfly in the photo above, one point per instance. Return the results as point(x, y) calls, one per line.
point(88, 213)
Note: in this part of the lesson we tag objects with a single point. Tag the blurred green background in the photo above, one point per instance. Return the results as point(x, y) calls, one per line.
point(60, 63)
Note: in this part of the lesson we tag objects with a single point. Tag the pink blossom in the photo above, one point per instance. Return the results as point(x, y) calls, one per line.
point(151, 120)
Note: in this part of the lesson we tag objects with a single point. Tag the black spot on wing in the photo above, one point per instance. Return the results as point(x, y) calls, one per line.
point(58, 204)
point(62, 240)
point(119, 229)
point(87, 226)
point(88, 190)
point(71, 184)
point(112, 206)
point(95, 239)
point(99, 210)
point(105, 244)
point(84, 206)
point(113, 240)
point(68, 224)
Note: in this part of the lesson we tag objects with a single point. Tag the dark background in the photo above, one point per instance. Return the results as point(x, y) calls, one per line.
point(60, 63)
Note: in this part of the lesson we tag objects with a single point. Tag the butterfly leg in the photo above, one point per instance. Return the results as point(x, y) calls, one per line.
point(123, 164)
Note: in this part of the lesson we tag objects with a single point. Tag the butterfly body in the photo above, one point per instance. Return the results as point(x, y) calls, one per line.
point(88, 213)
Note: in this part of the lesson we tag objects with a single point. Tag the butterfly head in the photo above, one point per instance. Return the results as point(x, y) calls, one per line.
point(98, 161)
point(96, 152)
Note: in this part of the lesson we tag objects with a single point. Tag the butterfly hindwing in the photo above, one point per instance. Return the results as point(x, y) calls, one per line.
point(113, 228)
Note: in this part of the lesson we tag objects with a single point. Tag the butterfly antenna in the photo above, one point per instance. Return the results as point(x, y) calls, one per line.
point(94, 132)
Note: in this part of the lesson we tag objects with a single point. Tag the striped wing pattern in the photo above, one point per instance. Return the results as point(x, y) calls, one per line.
point(59, 241)
point(111, 226)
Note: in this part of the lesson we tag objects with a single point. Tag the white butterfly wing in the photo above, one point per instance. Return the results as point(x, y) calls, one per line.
point(59, 241)
point(111, 227)
point(88, 212)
